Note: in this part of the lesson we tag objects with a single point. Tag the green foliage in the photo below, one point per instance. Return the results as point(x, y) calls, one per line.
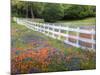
point(79, 12)
point(19, 8)
point(25, 9)
point(53, 12)
point(38, 9)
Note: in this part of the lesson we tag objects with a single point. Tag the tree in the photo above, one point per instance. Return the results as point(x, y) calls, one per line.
point(38, 9)
point(91, 11)
point(27, 9)
point(53, 12)
point(18, 8)
point(78, 12)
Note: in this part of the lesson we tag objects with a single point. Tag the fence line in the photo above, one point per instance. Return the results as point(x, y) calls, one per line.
point(62, 33)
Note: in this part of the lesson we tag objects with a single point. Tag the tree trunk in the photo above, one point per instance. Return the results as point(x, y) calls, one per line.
point(32, 15)
point(27, 11)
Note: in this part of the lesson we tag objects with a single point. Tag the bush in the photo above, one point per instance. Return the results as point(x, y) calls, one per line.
point(53, 12)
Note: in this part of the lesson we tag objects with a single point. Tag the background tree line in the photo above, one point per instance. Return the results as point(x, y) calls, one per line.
point(51, 12)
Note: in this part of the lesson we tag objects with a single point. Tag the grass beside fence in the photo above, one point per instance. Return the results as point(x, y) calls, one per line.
point(83, 22)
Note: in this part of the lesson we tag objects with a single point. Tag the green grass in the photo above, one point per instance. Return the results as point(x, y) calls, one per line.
point(38, 20)
point(82, 22)
point(85, 22)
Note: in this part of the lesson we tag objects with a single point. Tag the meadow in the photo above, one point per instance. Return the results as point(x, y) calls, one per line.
point(90, 21)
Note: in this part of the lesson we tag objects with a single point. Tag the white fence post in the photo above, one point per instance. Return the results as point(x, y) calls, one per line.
point(48, 31)
point(67, 34)
point(77, 37)
point(92, 39)
point(53, 32)
point(59, 36)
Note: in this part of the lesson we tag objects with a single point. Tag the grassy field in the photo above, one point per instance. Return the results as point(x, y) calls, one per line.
point(83, 22)
point(33, 52)
point(86, 20)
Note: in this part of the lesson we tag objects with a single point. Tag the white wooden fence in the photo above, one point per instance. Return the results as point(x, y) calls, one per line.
point(61, 33)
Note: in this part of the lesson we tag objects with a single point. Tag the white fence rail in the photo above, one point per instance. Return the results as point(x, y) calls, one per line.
point(62, 33)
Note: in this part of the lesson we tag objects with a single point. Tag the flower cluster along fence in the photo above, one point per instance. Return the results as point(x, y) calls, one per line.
point(75, 36)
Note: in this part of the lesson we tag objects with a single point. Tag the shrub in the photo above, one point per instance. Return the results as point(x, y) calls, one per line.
point(53, 12)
